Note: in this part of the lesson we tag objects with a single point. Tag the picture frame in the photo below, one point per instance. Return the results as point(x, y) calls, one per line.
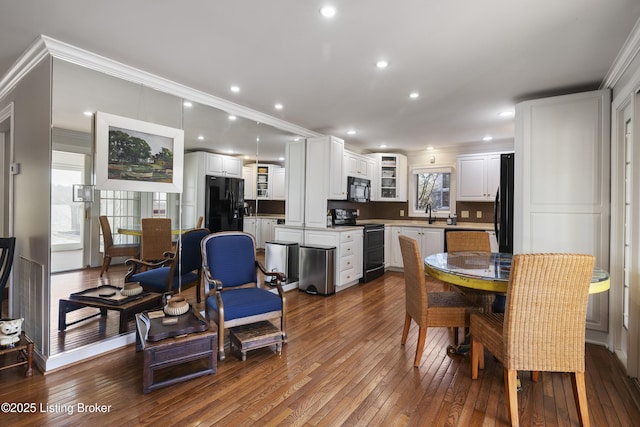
point(133, 155)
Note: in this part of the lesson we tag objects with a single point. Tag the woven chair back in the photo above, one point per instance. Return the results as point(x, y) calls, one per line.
point(468, 241)
point(545, 318)
point(416, 296)
point(156, 238)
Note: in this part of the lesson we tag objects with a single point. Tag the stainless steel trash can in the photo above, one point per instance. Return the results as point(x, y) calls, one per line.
point(283, 257)
point(317, 269)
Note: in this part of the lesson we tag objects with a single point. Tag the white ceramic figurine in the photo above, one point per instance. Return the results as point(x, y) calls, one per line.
point(10, 331)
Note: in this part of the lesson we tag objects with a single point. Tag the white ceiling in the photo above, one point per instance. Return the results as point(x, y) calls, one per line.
point(469, 60)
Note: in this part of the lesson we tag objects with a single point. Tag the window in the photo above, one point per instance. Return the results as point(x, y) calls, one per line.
point(159, 205)
point(67, 217)
point(431, 186)
point(123, 210)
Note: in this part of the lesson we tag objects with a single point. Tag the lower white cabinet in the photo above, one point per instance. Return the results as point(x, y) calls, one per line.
point(348, 244)
point(430, 241)
point(262, 229)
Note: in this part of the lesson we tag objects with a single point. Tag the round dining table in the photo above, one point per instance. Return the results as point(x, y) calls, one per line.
point(488, 271)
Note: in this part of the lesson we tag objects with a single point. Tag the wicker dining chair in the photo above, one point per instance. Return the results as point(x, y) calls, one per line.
point(543, 327)
point(471, 241)
point(428, 309)
point(111, 250)
point(468, 241)
point(156, 239)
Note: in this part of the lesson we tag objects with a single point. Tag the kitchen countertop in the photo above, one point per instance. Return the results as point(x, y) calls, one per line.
point(405, 223)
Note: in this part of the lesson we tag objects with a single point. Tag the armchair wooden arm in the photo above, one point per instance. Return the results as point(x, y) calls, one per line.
point(136, 264)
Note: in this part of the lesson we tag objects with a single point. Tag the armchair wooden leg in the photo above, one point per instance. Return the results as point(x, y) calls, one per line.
point(580, 395)
point(422, 337)
point(535, 376)
point(221, 343)
point(511, 388)
point(405, 331)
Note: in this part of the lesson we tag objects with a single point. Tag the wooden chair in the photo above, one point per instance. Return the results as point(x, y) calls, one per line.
point(468, 241)
point(543, 327)
point(471, 241)
point(111, 250)
point(177, 271)
point(7, 249)
point(230, 268)
point(428, 309)
point(156, 239)
point(200, 221)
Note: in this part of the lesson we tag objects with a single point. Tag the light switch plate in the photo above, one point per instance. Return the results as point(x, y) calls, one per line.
point(401, 212)
point(478, 214)
point(464, 214)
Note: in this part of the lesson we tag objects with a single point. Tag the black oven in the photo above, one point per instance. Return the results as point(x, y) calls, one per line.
point(373, 252)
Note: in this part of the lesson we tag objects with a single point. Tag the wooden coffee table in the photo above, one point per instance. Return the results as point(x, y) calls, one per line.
point(175, 350)
point(127, 309)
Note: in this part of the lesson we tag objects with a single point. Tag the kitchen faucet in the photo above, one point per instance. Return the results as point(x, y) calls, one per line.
point(428, 211)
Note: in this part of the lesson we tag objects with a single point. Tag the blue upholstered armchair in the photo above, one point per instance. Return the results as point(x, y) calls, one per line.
point(182, 270)
point(233, 296)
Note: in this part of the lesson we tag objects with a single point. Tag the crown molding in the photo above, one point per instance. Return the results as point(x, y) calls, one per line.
point(45, 46)
point(624, 58)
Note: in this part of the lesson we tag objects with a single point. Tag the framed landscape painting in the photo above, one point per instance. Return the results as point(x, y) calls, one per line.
point(132, 155)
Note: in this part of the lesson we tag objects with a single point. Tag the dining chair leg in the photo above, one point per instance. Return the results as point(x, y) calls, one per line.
point(535, 376)
point(477, 357)
point(580, 395)
point(511, 388)
point(422, 337)
point(106, 261)
point(405, 331)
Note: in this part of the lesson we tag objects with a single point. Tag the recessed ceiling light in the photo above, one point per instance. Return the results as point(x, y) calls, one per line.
point(487, 138)
point(278, 106)
point(383, 146)
point(382, 63)
point(88, 113)
point(506, 114)
point(229, 151)
point(235, 89)
point(429, 148)
point(414, 95)
point(232, 117)
point(281, 159)
point(200, 137)
point(351, 132)
point(328, 11)
point(187, 104)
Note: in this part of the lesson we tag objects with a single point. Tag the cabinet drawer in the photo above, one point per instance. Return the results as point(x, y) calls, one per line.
point(349, 236)
point(347, 249)
point(347, 262)
point(348, 276)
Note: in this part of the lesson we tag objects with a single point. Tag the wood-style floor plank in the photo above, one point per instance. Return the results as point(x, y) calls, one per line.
point(343, 365)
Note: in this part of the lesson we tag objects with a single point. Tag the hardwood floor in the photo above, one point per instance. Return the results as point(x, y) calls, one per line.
point(343, 365)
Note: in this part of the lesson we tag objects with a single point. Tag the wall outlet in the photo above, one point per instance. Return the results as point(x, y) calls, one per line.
point(401, 212)
point(357, 212)
point(464, 214)
point(478, 214)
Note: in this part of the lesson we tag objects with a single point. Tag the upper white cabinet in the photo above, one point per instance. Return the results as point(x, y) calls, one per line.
point(249, 176)
point(220, 165)
point(278, 183)
point(478, 177)
point(358, 165)
point(324, 178)
point(390, 178)
point(295, 179)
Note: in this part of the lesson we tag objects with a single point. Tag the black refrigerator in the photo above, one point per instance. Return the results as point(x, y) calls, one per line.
point(503, 207)
point(224, 203)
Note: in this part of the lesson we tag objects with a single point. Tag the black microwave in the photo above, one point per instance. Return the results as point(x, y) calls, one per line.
point(358, 189)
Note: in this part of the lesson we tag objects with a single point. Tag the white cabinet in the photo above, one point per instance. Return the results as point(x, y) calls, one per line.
point(430, 241)
point(478, 177)
point(358, 165)
point(393, 257)
point(263, 182)
point(249, 176)
point(220, 165)
point(324, 178)
point(295, 183)
point(390, 178)
point(562, 192)
point(289, 234)
point(493, 241)
point(249, 226)
point(278, 183)
point(267, 231)
point(348, 244)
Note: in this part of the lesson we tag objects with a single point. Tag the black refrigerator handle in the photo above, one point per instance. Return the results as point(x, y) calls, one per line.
point(495, 214)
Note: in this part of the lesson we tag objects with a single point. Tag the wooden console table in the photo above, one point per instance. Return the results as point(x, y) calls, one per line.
point(24, 348)
point(170, 352)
